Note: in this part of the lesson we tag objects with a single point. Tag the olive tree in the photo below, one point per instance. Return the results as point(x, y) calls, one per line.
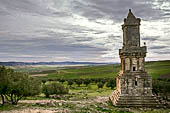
point(78, 82)
point(100, 85)
point(54, 88)
point(87, 81)
point(111, 83)
point(14, 85)
point(4, 81)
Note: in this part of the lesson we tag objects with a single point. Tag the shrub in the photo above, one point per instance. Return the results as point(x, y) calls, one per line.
point(70, 82)
point(103, 81)
point(54, 88)
point(111, 83)
point(43, 81)
point(96, 80)
point(93, 80)
point(161, 87)
point(79, 82)
point(62, 80)
point(100, 85)
point(87, 82)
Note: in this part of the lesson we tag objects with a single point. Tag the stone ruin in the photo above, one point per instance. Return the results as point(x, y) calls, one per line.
point(133, 84)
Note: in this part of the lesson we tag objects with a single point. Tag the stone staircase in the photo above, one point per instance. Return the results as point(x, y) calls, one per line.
point(134, 101)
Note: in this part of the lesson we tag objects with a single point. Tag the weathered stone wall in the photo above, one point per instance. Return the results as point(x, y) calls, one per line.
point(141, 64)
point(131, 36)
point(127, 64)
point(134, 84)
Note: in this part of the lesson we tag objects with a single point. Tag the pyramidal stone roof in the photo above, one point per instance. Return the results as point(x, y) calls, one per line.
point(131, 19)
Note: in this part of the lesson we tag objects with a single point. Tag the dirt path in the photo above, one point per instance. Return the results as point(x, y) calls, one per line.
point(61, 106)
point(39, 75)
point(28, 110)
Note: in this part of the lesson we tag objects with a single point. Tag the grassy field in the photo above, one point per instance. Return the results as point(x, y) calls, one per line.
point(154, 68)
point(104, 71)
point(84, 98)
point(158, 68)
point(81, 99)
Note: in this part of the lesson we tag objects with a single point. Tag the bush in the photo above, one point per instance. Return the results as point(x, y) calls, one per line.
point(43, 81)
point(70, 82)
point(62, 80)
point(79, 82)
point(54, 88)
point(161, 87)
point(111, 83)
point(87, 82)
point(103, 81)
point(96, 80)
point(93, 80)
point(100, 85)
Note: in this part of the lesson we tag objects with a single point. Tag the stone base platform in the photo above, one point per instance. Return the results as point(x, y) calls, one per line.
point(134, 101)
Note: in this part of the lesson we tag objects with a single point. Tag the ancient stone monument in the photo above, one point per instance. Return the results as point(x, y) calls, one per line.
point(133, 84)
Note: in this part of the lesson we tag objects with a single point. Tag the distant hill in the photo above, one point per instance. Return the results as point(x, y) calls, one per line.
point(50, 63)
point(157, 69)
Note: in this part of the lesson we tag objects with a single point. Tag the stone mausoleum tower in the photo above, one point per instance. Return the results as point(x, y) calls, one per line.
point(133, 84)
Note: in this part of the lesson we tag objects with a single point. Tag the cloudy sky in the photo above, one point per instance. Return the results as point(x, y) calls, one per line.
point(79, 30)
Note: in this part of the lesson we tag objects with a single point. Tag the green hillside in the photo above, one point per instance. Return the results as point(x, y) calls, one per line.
point(158, 68)
point(104, 71)
point(154, 68)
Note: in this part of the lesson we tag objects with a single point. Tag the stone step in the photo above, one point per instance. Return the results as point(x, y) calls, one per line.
point(153, 104)
point(139, 105)
point(134, 101)
point(137, 97)
point(139, 101)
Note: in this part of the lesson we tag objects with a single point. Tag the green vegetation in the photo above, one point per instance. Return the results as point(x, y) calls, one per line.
point(100, 85)
point(86, 84)
point(104, 71)
point(54, 88)
point(8, 107)
point(111, 83)
point(154, 68)
point(14, 85)
point(162, 87)
point(158, 68)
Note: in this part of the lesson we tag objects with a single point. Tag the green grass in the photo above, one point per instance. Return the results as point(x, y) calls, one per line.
point(154, 68)
point(9, 107)
point(158, 68)
point(104, 71)
point(91, 91)
point(157, 111)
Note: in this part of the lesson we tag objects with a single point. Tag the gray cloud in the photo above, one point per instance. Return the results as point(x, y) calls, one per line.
point(116, 9)
point(80, 30)
point(154, 38)
point(163, 52)
point(158, 47)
